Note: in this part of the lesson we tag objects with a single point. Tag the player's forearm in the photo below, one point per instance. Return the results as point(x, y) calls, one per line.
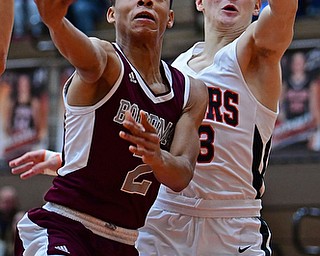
point(282, 15)
point(284, 7)
point(6, 14)
point(274, 29)
point(78, 49)
point(174, 171)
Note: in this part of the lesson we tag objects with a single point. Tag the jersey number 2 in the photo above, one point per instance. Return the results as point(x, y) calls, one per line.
point(132, 186)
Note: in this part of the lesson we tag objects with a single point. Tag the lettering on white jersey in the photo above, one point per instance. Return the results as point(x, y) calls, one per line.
point(222, 106)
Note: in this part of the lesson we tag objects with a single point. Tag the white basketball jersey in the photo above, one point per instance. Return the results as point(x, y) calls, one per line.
point(235, 134)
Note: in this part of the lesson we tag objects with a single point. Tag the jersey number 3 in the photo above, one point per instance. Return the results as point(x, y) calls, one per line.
point(206, 144)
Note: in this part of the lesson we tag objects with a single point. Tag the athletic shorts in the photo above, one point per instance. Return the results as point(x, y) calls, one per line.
point(41, 232)
point(174, 234)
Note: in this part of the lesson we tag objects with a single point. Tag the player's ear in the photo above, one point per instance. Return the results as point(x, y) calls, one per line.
point(110, 17)
point(170, 20)
point(199, 5)
point(257, 7)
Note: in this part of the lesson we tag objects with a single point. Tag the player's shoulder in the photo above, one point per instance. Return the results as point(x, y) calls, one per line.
point(198, 86)
point(198, 94)
point(106, 46)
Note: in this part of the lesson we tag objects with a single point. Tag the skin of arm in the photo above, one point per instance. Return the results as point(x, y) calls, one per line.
point(261, 47)
point(97, 66)
point(175, 168)
point(6, 14)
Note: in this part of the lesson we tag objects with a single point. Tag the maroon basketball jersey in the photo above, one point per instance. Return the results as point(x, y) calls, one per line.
point(100, 176)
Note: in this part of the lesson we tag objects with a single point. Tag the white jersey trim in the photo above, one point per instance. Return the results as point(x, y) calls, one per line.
point(79, 150)
point(86, 109)
point(154, 98)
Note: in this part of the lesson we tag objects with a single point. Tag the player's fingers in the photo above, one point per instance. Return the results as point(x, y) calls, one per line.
point(144, 121)
point(146, 140)
point(141, 151)
point(133, 126)
point(20, 160)
point(30, 173)
point(33, 156)
point(22, 168)
point(40, 168)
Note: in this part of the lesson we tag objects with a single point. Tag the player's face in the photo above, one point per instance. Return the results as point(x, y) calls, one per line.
point(141, 16)
point(229, 12)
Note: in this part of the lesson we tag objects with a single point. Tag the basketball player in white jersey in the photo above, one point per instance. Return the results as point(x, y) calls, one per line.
point(6, 14)
point(219, 212)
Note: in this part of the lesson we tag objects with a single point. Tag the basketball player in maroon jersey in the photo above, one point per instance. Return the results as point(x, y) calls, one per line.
point(6, 14)
point(128, 117)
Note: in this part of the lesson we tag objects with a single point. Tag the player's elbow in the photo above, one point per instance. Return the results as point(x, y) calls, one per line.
point(179, 186)
point(183, 181)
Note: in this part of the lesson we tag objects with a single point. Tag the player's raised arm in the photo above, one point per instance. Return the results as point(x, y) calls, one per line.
point(274, 28)
point(6, 14)
point(87, 55)
point(262, 46)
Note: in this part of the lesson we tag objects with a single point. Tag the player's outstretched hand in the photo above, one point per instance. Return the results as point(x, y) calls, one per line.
point(36, 162)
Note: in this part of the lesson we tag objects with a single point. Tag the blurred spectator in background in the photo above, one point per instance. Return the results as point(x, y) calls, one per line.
point(24, 118)
point(299, 119)
point(296, 88)
point(86, 14)
point(27, 20)
point(295, 122)
point(9, 207)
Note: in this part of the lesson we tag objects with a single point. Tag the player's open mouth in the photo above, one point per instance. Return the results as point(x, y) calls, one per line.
point(230, 8)
point(144, 15)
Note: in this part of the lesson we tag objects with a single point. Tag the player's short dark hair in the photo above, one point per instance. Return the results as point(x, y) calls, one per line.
point(112, 2)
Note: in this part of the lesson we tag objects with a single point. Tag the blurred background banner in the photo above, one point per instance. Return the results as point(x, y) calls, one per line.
point(31, 109)
point(24, 111)
point(297, 134)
